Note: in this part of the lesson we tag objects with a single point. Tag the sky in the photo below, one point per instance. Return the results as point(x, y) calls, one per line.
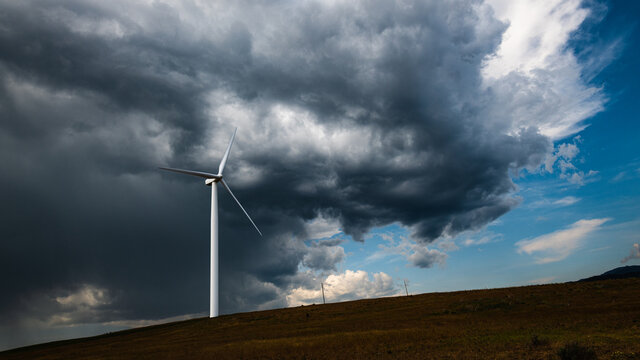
point(450, 145)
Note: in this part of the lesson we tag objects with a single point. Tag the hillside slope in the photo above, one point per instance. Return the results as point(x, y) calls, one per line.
point(530, 322)
point(623, 272)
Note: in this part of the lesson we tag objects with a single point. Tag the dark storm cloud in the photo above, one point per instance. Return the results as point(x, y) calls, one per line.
point(324, 255)
point(368, 113)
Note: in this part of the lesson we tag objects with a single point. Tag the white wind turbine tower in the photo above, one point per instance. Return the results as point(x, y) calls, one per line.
point(213, 180)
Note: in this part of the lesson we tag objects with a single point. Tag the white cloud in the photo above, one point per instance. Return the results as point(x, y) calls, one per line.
point(544, 280)
point(79, 306)
point(322, 227)
point(566, 201)
point(447, 244)
point(417, 254)
point(563, 158)
point(627, 173)
point(536, 36)
point(619, 177)
point(350, 285)
point(633, 254)
point(559, 244)
point(478, 241)
point(485, 237)
point(424, 257)
point(568, 150)
point(87, 295)
point(580, 177)
point(533, 66)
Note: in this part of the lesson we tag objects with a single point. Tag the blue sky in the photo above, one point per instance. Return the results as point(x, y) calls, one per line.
point(450, 144)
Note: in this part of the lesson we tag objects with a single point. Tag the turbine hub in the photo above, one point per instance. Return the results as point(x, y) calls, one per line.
point(208, 182)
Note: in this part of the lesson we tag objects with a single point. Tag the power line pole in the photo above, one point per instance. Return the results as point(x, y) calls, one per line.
point(405, 287)
point(322, 285)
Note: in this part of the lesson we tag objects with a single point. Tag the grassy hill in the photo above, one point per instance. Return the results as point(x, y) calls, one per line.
point(532, 322)
point(622, 272)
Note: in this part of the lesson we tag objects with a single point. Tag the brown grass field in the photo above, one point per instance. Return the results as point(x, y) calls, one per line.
point(531, 322)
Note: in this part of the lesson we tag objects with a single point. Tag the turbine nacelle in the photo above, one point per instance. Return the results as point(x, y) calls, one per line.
point(210, 181)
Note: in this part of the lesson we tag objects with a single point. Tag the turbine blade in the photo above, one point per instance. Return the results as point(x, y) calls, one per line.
point(191, 172)
point(226, 154)
point(224, 183)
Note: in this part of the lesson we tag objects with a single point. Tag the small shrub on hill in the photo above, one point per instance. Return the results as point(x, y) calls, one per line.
point(537, 341)
point(575, 351)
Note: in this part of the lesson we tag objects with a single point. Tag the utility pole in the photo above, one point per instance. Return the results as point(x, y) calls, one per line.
point(322, 285)
point(405, 287)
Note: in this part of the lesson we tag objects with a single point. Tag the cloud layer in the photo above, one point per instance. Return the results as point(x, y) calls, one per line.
point(633, 254)
point(559, 244)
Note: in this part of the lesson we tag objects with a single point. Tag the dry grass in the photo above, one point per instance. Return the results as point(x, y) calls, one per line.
point(533, 322)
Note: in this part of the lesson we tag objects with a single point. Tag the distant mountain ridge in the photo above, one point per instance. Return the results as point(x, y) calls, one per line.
point(622, 272)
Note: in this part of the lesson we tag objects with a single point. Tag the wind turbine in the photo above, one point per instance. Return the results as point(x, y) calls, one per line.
point(213, 180)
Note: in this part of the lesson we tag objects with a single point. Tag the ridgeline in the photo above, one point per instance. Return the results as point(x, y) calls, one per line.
point(599, 318)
